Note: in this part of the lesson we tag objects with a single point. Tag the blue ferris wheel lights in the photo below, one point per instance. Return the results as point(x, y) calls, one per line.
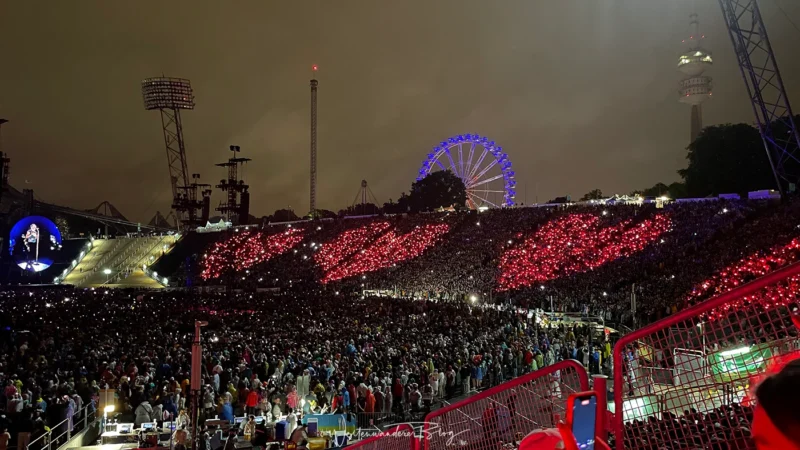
point(477, 175)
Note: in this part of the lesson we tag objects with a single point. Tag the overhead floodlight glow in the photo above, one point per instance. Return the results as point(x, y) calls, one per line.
point(107, 271)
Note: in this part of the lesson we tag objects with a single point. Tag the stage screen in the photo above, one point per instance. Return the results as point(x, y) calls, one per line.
point(33, 242)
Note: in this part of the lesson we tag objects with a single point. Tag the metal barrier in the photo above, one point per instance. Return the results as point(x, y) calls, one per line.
point(691, 389)
point(400, 437)
point(62, 432)
point(506, 413)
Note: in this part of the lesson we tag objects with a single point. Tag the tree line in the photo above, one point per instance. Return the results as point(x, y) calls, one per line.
point(727, 158)
point(724, 159)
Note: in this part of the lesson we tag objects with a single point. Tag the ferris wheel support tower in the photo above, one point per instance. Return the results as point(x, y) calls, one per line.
point(765, 88)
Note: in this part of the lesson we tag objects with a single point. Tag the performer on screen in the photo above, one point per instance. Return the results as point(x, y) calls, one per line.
point(32, 237)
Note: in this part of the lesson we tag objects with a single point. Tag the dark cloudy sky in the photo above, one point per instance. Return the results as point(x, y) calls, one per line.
point(580, 93)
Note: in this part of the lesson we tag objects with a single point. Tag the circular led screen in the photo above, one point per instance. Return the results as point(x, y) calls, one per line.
point(33, 243)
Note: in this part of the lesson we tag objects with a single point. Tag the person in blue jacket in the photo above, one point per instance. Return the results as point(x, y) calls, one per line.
point(227, 410)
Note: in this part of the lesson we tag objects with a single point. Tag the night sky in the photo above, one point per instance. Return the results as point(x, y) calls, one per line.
point(580, 93)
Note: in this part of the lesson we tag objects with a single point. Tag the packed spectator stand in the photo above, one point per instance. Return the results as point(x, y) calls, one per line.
point(451, 325)
point(658, 254)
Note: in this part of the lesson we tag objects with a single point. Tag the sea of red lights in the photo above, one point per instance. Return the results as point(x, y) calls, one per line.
point(347, 243)
point(389, 249)
point(247, 249)
point(747, 269)
point(573, 244)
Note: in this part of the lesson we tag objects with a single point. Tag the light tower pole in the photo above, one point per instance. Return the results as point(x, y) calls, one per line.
point(313, 199)
point(5, 162)
point(695, 88)
point(196, 381)
point(170, 96)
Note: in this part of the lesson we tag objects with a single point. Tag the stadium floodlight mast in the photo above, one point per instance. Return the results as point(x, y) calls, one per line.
point(169, 96)
point(765, 89)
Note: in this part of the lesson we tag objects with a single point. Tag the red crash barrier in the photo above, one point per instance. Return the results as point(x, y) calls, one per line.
point(506, 413)
point(400, 437)
point(685, 381)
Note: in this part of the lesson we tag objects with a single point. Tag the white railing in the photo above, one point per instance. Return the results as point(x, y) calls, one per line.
point(136, 255)
point(62, 432)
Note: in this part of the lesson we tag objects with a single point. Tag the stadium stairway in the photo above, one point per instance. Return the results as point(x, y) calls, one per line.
point(120, 262)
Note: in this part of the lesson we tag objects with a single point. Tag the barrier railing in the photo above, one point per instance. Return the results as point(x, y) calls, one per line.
point(690, 385)
point(400, 437)
point(506, 413)
point(62, 432)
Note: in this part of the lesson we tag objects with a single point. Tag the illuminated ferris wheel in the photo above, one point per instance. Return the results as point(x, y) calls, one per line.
point(483, 167)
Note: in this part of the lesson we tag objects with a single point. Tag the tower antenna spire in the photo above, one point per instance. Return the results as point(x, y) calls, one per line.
point(695, 88)
point(313, 168)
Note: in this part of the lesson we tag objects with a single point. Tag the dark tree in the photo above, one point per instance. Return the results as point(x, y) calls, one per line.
point(360, 210)
point(594, 194)
point(325, 214)
point(283, 215)
point(437, 190)
point(564, 199)
point(401, 206)
point(63, 226)
point(677, 190)
point(659, 190)
point(727, 159)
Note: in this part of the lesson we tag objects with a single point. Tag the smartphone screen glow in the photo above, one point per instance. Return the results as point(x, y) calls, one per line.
point(583, 418)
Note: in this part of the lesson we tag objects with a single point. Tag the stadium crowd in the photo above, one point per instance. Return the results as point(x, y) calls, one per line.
point(375, 357)
point(600, 255)
point(450, 328)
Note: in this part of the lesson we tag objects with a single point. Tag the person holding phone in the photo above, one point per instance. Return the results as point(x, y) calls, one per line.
point(578, 433)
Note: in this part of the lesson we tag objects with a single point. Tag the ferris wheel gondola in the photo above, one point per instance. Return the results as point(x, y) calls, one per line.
point(483, 167)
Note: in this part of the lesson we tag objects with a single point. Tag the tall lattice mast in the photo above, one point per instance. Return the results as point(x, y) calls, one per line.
point(313, 171)
point(170, 96)
point(236, 206)
point(765, 89)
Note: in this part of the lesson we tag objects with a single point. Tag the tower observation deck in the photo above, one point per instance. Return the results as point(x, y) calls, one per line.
point(695, 87)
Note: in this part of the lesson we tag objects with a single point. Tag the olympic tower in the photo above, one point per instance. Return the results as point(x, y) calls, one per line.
point(695, 87)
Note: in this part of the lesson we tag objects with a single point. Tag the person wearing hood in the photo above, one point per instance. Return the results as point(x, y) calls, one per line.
point(144, 413)
point(169, 406)
point(276, 409)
